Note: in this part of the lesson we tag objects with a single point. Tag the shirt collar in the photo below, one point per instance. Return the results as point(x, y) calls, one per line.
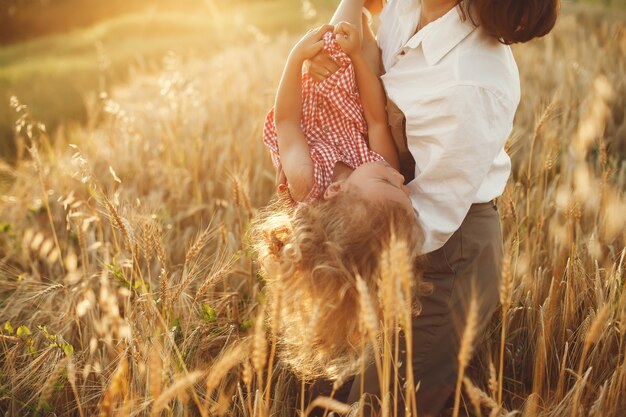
point(440, 36)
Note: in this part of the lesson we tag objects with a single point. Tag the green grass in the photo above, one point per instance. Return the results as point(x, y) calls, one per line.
point(606, 3)
point(53, 74)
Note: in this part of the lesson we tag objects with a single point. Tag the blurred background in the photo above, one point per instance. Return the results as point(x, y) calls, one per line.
point(56, 54)
point(125, 264)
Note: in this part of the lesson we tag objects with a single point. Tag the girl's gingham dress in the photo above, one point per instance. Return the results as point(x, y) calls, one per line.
point(333, 122)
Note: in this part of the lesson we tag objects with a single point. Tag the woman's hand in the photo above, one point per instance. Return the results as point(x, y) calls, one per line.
point(310, 44)
point(348, 38)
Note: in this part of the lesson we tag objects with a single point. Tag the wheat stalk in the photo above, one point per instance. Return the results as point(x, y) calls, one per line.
point(179, 386)
point(229, 359)
point(594, 333)
point(369, 318)
point(327, 403)
point(466, 349)
point(259, 350)
point(155, 367)
point(506, 292)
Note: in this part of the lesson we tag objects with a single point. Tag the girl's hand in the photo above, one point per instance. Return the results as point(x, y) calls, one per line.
point(321, 66)
point(348, 38)
point(310, 44)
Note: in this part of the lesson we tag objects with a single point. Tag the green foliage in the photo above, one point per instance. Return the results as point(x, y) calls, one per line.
point(68, 349)
point(8, 328)
point(23, 332)
point(175, 329)
point(245, 325)
point(209, 314)
point(5, 228)
point(116, 270)
point(57, 341)
point(44, 408)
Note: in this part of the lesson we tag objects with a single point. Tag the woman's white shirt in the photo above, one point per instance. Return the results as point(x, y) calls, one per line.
point(458, 89)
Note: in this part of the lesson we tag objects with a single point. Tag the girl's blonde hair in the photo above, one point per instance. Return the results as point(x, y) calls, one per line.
point(310, 256)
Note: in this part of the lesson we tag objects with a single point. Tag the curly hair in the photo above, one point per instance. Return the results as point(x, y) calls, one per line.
point(310, 256)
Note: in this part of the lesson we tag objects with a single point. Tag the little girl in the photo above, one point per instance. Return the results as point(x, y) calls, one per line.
point(318, 132)
point(340, 202)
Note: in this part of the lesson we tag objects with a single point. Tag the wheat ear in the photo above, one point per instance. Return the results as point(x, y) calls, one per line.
point(466, 350)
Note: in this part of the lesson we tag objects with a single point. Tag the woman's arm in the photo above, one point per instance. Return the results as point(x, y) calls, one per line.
point(356, 17)
point(348, 11)
point(322, 65)
point(294, 150)
point(372, 94)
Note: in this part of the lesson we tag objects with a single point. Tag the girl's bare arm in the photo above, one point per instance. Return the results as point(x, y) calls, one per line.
point(374, 101)
point(372, 94)
point(295, 155)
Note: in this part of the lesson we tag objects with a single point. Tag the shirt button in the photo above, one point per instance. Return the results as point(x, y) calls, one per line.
point(319, 106)
point(402, 52)
point(326, 129)
point(336, 143)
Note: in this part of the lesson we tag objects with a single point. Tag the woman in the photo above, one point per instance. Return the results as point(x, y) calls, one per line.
point(453, 89)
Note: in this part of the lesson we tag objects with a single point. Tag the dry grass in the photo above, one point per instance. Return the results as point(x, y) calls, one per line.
point(125, 259)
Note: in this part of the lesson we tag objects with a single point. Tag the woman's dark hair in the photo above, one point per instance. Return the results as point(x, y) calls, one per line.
point(513, 21)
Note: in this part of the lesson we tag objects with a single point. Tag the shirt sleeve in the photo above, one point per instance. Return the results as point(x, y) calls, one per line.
point(466, 127)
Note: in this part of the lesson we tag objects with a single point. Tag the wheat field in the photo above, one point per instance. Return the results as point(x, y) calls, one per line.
point(128, 286)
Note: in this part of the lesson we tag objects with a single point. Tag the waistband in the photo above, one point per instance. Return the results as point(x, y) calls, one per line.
point(493, 203)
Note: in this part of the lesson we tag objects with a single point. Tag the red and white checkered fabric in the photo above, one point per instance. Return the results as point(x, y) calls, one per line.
point(333, 122)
